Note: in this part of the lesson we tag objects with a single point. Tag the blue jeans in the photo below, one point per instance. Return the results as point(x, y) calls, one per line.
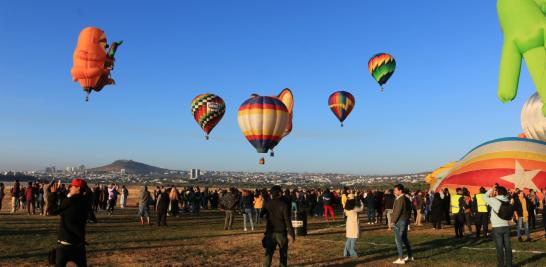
point(258, 211)
point(401, 238)
point(371, 215)
point(521, 226)
point(501, 236)
point(248, 214)
point(350, 248)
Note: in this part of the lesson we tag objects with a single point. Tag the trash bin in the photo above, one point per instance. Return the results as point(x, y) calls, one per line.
point(299, 222)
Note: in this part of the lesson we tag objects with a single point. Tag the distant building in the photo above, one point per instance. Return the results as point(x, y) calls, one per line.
point(123, 171)
point(195, 173)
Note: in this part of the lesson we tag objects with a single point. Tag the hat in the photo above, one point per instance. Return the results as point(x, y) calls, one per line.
point(78, 182)
point(351, 196)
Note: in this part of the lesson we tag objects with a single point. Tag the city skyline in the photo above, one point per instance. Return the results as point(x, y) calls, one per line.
point(440, 102)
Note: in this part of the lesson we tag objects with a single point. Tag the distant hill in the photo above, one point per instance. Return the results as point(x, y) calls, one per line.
point(130, 166)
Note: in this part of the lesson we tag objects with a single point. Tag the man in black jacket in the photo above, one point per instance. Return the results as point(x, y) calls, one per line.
point(279, 225)
point(73, 210)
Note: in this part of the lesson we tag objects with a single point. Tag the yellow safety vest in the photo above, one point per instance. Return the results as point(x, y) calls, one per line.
point(482, 206)
point(455, 203)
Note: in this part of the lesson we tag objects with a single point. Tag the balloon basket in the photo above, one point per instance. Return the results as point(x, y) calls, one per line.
point(206, 137)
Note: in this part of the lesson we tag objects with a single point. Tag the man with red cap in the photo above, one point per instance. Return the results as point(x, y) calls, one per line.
point(74, 211)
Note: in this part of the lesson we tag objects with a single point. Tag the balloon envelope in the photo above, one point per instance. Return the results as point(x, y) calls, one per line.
point(263, 121)
point(381, 67)
point(207, 110)
point(287, 98)
point(533, 121)
point(511, 162)
point(341, 103)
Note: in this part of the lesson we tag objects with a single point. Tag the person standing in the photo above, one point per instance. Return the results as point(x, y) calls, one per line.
point(162, 207)
point(174, 198)
point(2, 193)
point(437, 211)
point(495, 198)
point(352, 228)
point(112, 197)
point(73, 211)
point(447, 204)
point(29, 197)
point(246, 205)
point(481, 212)
point(144, 200)
point(389, 205)
point(228, 203)
point(327, 202)
point(124, 194)
point(544, 210)
point(258, 205)
point(419, 203)
point(370, 203)
point(401, 217)
point(278, 227)
point(457, 209)
point(15, 191)
point(522, 210)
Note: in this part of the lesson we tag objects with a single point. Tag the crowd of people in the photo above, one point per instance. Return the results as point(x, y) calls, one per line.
point(395, 209)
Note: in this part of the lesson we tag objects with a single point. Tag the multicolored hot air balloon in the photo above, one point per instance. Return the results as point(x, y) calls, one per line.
point(341, 103)
point(263, 121)
point(92, 63)
point(381, 67)
point(287, 98)
point(438, 175)
point(511, 162)
point(207, 110)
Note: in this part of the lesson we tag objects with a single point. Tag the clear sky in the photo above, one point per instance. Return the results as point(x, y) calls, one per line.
point(440, 102)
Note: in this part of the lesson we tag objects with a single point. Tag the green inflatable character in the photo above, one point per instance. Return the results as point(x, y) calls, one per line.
point(524, 25)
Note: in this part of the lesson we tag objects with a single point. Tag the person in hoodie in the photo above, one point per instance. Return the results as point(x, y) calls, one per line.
point(74, 211)
point(352, 229)
point(501, 229)
point(228, 203)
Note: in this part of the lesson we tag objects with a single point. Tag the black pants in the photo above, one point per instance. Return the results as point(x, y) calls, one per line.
point(74, 253)
point(482, 221)
point(448, 219)
point(437, 224)
point(532, 220)
point(270, 243)
point(459, 224)
point(161, 217)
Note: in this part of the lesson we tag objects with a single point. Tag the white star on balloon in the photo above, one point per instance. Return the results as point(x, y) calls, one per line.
point(521, 178)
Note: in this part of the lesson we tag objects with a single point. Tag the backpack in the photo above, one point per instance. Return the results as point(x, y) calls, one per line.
point(506, 210)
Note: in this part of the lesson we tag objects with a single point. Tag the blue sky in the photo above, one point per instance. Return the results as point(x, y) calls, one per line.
point(440, 103)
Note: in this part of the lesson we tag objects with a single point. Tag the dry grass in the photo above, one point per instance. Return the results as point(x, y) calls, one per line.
point(200, 240)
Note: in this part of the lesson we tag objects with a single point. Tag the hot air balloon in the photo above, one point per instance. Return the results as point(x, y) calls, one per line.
point(533, 121)
point(287, 98)
point(92, 63)
point(381, 67)
point(511, 162)
point(263, 121)
point(438, 175)
point(207, 110)
point(341, 103)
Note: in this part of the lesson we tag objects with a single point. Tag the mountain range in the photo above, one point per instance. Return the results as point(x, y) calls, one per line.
point(130, 166)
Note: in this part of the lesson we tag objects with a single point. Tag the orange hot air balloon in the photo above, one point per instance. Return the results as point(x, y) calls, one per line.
point(92, 64)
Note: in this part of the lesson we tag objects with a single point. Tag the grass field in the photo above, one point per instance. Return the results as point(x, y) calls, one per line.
point(199, 240)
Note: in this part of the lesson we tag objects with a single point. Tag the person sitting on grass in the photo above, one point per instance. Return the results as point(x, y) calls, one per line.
point(352, 229)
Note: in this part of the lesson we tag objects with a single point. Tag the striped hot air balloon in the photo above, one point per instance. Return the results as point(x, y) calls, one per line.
point(207, 110)
point(341, 103)
point(381, 67)
point(263, 121)
point(511, 162)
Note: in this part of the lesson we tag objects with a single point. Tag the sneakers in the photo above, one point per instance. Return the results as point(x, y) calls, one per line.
point(399, 261)
point(408, 259)
point(245, 230)
point(520, 239)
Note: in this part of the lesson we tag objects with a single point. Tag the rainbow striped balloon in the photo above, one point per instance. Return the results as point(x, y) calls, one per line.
point(207, 110)
point(341, 103)
point(381, 67)
point(263, 121)
point(511, 162)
